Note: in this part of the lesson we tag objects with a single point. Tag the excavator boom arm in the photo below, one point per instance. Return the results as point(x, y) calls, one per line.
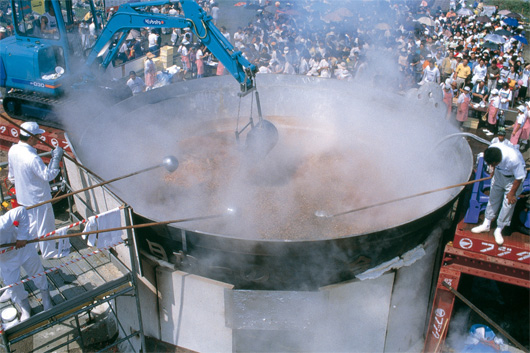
point(130, 16)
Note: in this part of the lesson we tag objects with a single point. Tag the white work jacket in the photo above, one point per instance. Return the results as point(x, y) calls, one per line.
point(14, 225)
point(512, 162)
point(29, 174)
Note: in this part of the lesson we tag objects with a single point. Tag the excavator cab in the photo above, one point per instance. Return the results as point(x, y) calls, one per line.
point(47, 46)
point(57, 43)
point(48, 43)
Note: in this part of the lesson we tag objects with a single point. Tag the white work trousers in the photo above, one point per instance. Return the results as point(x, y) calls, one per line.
point(41, 222)
point(500, 186)
point(27, 258)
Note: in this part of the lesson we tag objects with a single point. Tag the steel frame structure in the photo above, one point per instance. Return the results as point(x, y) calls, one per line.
point(476, 255)
point(73, 308)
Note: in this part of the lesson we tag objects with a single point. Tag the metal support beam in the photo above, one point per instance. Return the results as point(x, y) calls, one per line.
point(487, 266)
point(485, 317)
point(134, 257)
point(472, 262)
point(442, 309)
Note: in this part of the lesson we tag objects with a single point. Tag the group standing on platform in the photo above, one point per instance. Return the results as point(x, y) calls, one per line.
point(31, 178)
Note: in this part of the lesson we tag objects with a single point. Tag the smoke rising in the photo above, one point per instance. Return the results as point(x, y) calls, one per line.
point(341, 146)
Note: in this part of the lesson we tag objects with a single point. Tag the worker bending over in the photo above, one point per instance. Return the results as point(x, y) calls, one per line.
point(506, 186)
point(14, 228)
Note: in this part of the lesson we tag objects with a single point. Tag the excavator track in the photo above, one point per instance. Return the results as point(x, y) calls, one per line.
point(33, 107)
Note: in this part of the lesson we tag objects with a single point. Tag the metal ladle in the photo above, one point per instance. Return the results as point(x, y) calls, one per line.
point(263, 135)
point(170, 163)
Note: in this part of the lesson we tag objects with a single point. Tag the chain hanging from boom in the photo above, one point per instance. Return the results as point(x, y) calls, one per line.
point(251, 119)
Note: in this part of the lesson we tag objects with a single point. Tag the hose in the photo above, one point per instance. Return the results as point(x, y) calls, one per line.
point(195, 28)
point(479, 139)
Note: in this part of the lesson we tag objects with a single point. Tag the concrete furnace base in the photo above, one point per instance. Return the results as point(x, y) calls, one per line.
point(385, 314)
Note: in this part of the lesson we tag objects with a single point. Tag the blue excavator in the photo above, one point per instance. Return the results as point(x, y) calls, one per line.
point(49, 56)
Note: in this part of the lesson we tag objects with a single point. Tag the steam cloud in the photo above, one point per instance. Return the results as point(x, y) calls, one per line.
point(342, 146)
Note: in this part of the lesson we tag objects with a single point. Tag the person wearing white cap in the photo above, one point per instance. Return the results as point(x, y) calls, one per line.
point(448, 98)
point(188, 35)
point(14, 228)
point(507, 184)
point(493, 111)
point(504, 71)
point(31, 178)
point(463, 105)
point(479, 93)
point(520, 128)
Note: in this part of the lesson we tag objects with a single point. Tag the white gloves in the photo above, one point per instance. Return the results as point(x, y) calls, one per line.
point(57, 155)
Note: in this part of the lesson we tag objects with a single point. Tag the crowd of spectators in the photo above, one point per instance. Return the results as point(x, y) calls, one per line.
point(309, 38)
point(468, 45)
point(471, 50)
point(474, 52)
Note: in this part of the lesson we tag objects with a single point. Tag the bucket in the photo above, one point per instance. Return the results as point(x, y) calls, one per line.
point(9, 317)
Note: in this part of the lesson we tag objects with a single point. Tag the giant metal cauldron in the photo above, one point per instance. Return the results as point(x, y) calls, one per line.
point(140, 130)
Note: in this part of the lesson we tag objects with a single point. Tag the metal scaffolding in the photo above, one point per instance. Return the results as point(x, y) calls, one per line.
point(76, 313)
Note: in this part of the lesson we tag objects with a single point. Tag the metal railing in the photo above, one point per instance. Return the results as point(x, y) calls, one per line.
point(83, 304)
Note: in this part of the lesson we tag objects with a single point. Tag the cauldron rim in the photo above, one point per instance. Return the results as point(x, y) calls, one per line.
point(336, 238)
point(189, 87)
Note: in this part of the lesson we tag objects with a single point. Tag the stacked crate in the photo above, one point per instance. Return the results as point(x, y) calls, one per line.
point(166, 56)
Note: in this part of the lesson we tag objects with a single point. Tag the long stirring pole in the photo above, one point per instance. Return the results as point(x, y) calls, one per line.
point(325, 215)
point(60, 197)
point(134, 226)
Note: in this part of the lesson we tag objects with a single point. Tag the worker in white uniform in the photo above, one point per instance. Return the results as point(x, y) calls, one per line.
point(31, 178)
point(14, 228)
point(506, 186)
